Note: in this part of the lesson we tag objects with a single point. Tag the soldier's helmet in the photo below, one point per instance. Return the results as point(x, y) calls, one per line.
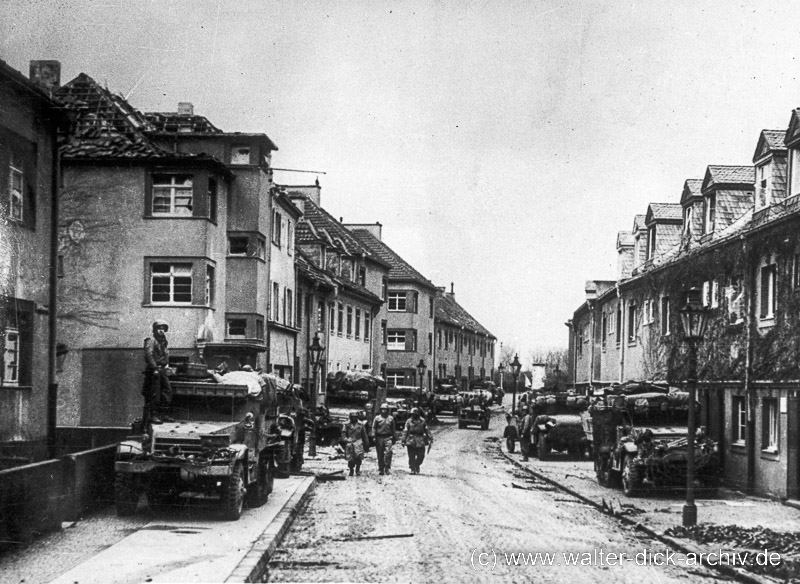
point(416, 411)
point(158, 323)
point(384, 406)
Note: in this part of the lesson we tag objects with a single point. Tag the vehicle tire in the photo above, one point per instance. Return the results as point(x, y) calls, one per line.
point(511, 445)
point(233, 494)
point(602, 468)
point(543, 448)
point(631, 478)
point(258, 491)
point(126, 495)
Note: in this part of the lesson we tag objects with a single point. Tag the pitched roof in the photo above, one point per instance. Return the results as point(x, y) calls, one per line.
point(639, 223)
point(624, 239)
point(451, 312)
point(104, 125)
point(729, 175)
point(10, 75)
point(770, 142)
point(327, 279)
point(664, 212)
point(399, 269)
point(692, 190)
point(181, 123)
point(793, 131)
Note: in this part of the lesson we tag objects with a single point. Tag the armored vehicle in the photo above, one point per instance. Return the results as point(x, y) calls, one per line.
point(557, 425)
point(224, 444)
point(446, 399)
point(640, 440)
point(350, 391)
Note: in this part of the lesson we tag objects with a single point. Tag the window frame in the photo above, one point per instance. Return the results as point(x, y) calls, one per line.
point(396, 339)
point(738, 420)
point(770, 425)
point(174, 189)
point(664, 317)
point(177, 269)
point(13, 380)
point(394, 298)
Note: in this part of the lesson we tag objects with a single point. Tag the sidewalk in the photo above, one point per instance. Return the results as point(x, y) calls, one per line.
point(730, 521)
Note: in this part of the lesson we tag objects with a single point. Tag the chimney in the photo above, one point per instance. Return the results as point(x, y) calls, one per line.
point(185, 108)
point(376, 229)
point(46, 74)
point(452, 292)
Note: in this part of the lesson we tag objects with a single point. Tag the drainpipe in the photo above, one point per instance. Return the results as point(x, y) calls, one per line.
point(620, 338)
point(52, 338)
point(591, 347)
point(750, 397)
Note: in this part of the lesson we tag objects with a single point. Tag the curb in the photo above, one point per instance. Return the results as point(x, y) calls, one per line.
point(738, 574)
point(253, 567)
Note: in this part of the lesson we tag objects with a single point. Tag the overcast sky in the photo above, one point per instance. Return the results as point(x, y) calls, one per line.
point(502, 145)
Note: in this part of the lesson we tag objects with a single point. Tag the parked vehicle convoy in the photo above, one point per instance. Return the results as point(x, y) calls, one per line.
point(446, 399)
point(350, 391)
point(640, 441)
point(487, 388)
point(224, 443)
point(557, 424)
point(403, 398)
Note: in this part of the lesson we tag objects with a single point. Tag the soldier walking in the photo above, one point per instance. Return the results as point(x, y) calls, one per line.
point(356, 443)
point(525, 434)
point(416, 437)
point(383, 430)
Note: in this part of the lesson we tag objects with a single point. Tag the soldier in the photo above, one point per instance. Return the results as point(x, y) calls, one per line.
point(383, 430)
point(525, 434)
point(416, 437)
point(356, 443)
point(157, 390)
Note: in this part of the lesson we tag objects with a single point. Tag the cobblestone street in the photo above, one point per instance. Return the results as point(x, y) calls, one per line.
point(433, 527)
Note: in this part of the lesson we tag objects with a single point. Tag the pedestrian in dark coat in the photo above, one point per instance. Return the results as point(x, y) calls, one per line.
point(525, 434)
point(416, 437)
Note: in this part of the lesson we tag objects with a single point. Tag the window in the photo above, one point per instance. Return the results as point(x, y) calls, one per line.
point(237, 245)
point(430, 310)
point(687, 220)
point(739, 419)
point(362, 276)
point(618, 323)
point(384, 288)
point(170, 283)
point(714, 293)
point(366, 325)
point(397, 301)
point(665, 315)
point(349, 321)
point(298, 320)
point(240, 155)
point(604, 329)
point(395, 378)
point(794, 172)
point(320, 315)
point(710, 212)
point(397, 340)
point(237, 328)
point(289, 238)
point(210, 281)
point(632, 323)
point(288, 308)
point(172, 195)
point(651, 242)
point(276, 301)
point(762, 187)
point(11, 357)
point(430, 343)
point(769, 424)
point(768, 291)
point(332, 318)
point(212, 199)
point(16, 190)
point(358, 323)
point(260, 328)
point(384, 336)
point(439, 339)
point(276, 228)
point(414, 302)
point(340, 324)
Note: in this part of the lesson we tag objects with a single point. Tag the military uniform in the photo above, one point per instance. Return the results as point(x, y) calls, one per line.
point(416, 437)
point(383, 430)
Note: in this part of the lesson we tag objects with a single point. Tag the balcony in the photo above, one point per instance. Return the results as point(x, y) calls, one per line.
point(776, 211)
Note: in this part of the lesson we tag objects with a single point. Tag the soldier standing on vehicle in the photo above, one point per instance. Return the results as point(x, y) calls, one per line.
point(383, 430)
point(157, 390)
point(416, 437)
point(356, 443)
point(525, 434)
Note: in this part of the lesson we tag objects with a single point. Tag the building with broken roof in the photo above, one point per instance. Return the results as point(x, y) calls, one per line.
point(28, 185)
point(737, 242)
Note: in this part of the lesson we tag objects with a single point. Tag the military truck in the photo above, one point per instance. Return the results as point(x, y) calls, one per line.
point(640, 440)
point(224, 444)
point(557, 425)
point(402, 399)
point(473, 416)
point(350, 391)
point(446, 398)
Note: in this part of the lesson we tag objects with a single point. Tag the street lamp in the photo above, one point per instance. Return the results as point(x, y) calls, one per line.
point(315, 352)
point(515, 367)
point(421, 367)
point(694, 318)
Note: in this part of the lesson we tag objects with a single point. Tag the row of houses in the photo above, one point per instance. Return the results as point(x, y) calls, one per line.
point(735, 235)
point(114, 217)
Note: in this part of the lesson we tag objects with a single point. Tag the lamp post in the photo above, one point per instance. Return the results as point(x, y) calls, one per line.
point(315, 352)
point(421, 367)
point(515, 367)
point(694, 317)
point(501, 370)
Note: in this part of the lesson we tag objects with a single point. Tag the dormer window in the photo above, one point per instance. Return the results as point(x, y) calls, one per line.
point(710, 212)
point(687, 220)
point(794, 171)
point(240, 155)
point(763, 195)
point(651, 242)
